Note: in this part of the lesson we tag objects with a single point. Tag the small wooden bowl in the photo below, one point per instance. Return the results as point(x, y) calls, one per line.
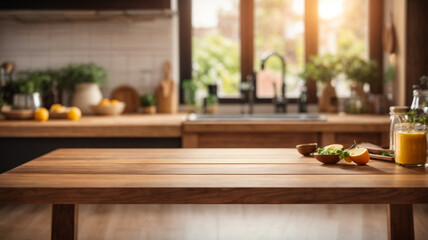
point(307, 148)
point(58, 115)
point(327, 159)
point(19, 114)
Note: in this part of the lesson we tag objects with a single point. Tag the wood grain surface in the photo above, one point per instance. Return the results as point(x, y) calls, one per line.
point(77, 176)
point(135, 125)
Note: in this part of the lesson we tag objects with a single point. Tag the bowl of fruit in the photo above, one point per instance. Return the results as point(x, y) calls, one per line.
point(108, 107)
point(333, 153)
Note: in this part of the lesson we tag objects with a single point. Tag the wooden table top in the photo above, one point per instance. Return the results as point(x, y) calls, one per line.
point(208, 176)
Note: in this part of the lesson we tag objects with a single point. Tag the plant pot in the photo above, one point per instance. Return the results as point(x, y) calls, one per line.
point(328, 100)
point(149, 110)
point(85, 95)
point(190, 108)
point(211, 109)
point(27, 101)
point(358, 87)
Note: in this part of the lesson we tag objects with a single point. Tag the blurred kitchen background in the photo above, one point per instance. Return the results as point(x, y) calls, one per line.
point(222, 43)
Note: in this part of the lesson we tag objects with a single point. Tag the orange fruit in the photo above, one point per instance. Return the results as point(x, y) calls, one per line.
point(104, 102)
point(114, 102)
point(74, 114)
point(41, 114)
point(55, 107)
point(347, 159)
point(359, 156)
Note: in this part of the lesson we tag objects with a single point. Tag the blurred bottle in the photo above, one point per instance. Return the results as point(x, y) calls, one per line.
point(303, 100)
point(51, 95)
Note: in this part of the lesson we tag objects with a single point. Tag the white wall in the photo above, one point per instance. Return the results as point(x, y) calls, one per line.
point(132, 53)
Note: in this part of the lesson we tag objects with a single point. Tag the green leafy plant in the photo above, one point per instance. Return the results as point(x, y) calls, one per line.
point(73, 74)
point(211, 100)
point(416, 116)
point(333, 151)
point(189, 90)
point(148, 100)
point(322, 68)
point(29, 82)
point(358, 69)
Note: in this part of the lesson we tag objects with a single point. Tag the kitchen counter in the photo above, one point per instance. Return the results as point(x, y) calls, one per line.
point(334, 123)
point(21, 141)
point(343, 129)
point(136, 125)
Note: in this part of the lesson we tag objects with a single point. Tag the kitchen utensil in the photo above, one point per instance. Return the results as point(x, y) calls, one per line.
point(114, 109)
point(19, 114)
point(375, 149)
point(381, 157)
point(327, 159)
point(166, 93)
point(388, 37)
point(27, 101)
point(129, 96)
point(307, 148)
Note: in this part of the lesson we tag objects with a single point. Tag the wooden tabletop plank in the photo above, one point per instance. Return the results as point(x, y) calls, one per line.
point(125, 168)
point(206, 176)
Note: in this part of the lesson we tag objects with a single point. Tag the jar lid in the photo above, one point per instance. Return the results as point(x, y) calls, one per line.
point(398, 109)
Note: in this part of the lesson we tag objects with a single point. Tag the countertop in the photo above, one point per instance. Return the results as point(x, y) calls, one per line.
point(173, 125)
point(334, 123)
point(135, 125)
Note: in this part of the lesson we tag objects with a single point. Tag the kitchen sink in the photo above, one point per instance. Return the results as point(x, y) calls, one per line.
point(257, 117)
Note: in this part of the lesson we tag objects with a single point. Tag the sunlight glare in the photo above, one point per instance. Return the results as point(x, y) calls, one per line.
point(328, 9)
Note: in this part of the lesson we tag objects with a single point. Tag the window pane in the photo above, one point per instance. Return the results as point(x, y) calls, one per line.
point(343, 29)
point(216, 44)
point(279, 26)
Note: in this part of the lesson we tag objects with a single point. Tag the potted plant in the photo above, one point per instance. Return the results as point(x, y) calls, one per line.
point(28, 88)
point(148, 101)
point(211, 102)
point(360, 71)
point(189, 95)
point(86, 80)
point(324, 69)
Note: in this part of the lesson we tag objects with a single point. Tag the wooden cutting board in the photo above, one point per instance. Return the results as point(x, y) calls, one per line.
point(129, 96)
point(166, 93)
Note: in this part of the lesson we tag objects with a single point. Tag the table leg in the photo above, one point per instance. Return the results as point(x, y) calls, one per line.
point(400, 222)
point(64, 221)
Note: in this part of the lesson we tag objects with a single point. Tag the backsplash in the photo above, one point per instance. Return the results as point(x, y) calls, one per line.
point(132, 53)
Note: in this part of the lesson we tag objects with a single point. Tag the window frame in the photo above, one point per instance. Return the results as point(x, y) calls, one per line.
point(246, 14)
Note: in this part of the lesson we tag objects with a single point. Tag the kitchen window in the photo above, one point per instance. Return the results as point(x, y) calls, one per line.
point(222, 41)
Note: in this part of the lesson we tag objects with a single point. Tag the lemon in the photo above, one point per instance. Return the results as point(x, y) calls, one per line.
point(104, 102)
point(41, 114)
point(334, 146)
point(360, 156)
point(74, 114)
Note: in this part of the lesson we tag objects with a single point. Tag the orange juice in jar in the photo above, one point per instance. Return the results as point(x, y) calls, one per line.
point(410, 144)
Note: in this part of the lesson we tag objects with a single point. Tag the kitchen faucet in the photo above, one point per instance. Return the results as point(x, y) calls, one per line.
point(279, 102)
point(247, 88)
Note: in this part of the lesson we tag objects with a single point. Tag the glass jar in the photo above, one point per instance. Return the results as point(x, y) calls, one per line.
point(410, 144)
point(397, 115)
